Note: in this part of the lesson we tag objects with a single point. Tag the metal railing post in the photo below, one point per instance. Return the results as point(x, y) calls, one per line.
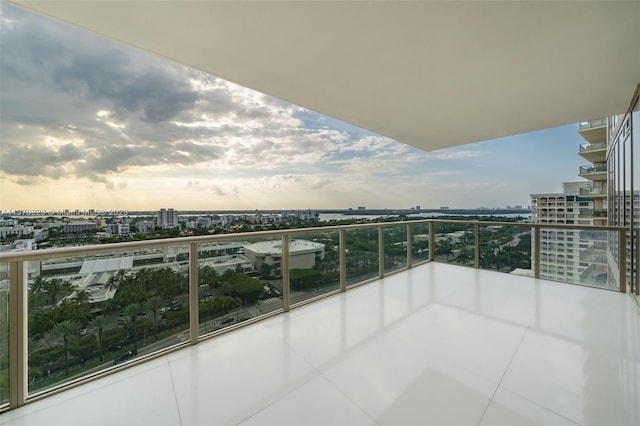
point(343, 260)
point(380, 251)
point(622, 255)
point(18, 329)
point(286, 294)
point(536, 252)
point(476, 259)
point(194, 320)
point(409, 246)
point(432, 241)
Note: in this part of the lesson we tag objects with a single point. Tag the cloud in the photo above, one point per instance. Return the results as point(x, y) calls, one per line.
point(217, 190)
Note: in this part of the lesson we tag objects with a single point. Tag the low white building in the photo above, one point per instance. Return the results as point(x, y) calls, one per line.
point(17, 230)
point(303, 254)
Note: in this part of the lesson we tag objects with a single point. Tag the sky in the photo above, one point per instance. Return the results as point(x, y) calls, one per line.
point(87, 123)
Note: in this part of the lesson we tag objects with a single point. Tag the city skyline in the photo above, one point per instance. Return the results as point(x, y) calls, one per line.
point(89, 123)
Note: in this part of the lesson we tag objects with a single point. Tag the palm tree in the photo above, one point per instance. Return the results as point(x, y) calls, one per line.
point(65, 330)
point(464, 256)
point(99, 323)
point(154, 303)
point(82, 296)
point(132, 311)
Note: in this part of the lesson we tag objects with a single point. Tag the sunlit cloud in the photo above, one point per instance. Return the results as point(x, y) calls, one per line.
point(88, 121)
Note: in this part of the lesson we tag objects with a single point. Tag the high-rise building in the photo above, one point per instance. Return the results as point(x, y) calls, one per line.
point(167, 218)
point(571, 255)
point(595, 151)
point(560, 249)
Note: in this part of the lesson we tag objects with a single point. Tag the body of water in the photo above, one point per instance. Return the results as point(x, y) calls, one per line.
point(326, 217)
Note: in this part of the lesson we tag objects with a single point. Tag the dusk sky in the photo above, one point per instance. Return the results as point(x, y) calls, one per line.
point(89, 123)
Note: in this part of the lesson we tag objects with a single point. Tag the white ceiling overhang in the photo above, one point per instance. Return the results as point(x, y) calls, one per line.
point(432, 74)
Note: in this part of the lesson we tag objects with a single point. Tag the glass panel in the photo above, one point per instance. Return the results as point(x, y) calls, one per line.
point(238, 280)
point(4, 334)
point(578, 257)
point(362, 254)
point(420, 242)
point(314, 264)
point(395, 248)
point(506, 249)
point(455, 243)
point(89, 313)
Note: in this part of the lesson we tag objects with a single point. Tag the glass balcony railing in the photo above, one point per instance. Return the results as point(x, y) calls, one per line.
point(585, 213)
point(584, 125)
point(593, 191)
point(592, 169)
point(84, 312)
point(593, 146)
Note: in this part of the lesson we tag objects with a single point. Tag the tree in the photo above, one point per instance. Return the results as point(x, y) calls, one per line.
point(99, 323)
point(465, 255)
point(244, 287)
point(208, 276)
point(71, 309)
point(132, 311)
point(154, 303)
point(304, 279)
point(65, 330)
point(265, 270)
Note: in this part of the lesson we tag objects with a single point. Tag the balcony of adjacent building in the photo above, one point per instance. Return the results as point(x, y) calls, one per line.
point(594, 152)
point(594, 172)
point(373, 329)
point(593, 192)
point(593, 213)
point(594, 130)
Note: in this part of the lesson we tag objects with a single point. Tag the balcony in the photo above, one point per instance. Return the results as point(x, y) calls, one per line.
point(593, 192)
point(594, 172)
point(362, 347)
point(594, 152)
point(594, 130)
point(592, 213)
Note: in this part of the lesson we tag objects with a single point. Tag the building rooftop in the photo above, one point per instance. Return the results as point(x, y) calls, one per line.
point(111, 264)
point(437, 344)
point(275, 246)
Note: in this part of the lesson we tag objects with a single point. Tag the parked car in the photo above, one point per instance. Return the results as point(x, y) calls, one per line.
point(125, 356)
point(124, 320)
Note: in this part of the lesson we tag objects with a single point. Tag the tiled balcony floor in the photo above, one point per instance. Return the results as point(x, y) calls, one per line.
point(438, 344)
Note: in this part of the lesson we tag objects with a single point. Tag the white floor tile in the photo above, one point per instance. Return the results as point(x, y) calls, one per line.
point(314, 403)
point(560, 375)
point(142, 399)
point(396, 382)
point(231, 378)
point(508, 409)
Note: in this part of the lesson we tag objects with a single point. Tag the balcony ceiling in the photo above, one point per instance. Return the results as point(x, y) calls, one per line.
point(431, 74)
